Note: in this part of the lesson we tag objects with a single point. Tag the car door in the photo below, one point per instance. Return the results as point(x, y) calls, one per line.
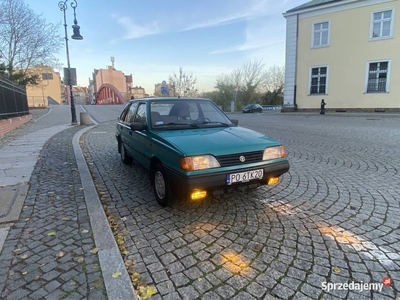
point(125, 128)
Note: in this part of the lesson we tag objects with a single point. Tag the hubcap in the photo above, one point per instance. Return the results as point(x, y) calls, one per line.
point(159, 184)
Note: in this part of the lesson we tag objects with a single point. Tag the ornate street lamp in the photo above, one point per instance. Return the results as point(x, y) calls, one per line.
point(76, 36)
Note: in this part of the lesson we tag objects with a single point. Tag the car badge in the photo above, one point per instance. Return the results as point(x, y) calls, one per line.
point(242, 158)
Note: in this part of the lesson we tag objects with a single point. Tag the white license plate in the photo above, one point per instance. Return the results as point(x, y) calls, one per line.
point(244, 176)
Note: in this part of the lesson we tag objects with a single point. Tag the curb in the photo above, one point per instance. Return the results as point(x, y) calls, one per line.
point(109, 254)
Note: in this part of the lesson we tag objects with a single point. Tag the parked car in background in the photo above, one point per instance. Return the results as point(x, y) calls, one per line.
point(252, 108)
point(193, 149)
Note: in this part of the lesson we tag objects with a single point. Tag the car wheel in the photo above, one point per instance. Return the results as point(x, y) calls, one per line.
point(162, 189)
point(125, 157)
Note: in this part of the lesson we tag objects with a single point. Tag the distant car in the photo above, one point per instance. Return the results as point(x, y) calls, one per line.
point(193, 149)
point(251, 108)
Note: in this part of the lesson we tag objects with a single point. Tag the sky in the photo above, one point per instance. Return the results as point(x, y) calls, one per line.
point(152, 39)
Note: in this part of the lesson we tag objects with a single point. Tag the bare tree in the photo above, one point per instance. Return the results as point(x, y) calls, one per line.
point(275, 78)
point(274, 86)
point(253, 78)
point(26, 40)
point(184, 83)
point(242, 85)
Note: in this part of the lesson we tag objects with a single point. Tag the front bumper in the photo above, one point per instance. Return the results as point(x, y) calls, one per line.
point(216, 182)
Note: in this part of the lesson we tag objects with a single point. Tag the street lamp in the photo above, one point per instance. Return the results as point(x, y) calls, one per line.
point(76, 36)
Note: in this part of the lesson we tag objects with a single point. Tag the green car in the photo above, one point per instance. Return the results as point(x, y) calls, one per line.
point(193, 149)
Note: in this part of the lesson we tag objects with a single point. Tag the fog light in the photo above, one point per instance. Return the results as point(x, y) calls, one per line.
point(197, 194)
point(273, 180)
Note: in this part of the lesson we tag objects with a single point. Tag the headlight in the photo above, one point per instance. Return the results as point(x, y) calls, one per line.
point(274, 152)
point(200, 162)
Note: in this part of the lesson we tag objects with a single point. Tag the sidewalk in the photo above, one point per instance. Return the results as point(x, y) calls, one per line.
point(53, 231)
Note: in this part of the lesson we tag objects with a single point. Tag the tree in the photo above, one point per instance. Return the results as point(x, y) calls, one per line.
point(242, 85)
point(274, 86)
point(26, 40)
point(184, 83)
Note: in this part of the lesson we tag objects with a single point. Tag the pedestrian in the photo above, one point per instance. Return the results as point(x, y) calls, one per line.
point(322, 112)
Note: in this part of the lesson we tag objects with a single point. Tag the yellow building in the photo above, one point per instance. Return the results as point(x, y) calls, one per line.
point(137, 92)
point(49, 88)
point(345, 52)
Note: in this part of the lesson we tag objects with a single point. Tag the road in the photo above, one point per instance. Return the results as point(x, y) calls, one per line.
point(333, 219)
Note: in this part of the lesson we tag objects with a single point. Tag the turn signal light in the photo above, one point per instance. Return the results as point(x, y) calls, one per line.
point(198, 194)
point(273, 180)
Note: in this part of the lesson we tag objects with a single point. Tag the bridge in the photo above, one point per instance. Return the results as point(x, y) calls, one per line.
point(109, 95)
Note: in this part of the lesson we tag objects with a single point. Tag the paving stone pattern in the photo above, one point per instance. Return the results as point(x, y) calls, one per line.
point(47, 254)
point(333, 218)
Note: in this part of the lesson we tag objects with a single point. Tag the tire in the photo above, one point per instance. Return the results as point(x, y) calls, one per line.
point(162, 188)
point(125, 157)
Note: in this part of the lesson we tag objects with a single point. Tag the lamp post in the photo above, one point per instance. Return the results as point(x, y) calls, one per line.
point(76, 36)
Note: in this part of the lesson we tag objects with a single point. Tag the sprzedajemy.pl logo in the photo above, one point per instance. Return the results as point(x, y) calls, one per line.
point(357, 286)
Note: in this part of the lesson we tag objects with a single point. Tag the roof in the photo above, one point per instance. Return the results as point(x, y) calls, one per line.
point(312, 3)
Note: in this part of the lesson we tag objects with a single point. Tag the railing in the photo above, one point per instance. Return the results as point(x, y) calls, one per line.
point(13, 101)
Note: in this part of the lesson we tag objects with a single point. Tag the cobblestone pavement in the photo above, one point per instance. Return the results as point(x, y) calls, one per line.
point(332, 219)
point(48, 253)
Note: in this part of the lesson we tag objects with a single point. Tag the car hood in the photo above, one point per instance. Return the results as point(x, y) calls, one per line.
point(217, 141)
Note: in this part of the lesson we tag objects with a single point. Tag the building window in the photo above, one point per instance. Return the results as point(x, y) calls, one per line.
point(320, 34)
point(382, 24)
point(378, 77)
point(318, 82)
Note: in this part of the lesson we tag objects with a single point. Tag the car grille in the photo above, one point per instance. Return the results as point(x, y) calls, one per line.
point(234, 159)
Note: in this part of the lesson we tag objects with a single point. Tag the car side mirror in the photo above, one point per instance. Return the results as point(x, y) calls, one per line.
point(236, 122)
point(138, 126)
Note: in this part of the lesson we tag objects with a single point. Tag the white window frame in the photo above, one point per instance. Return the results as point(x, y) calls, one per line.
point(371, 32)
point(310, 80)
point(389, 61)
point(313, 31)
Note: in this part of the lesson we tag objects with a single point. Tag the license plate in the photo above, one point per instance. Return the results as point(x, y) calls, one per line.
point(244, 176)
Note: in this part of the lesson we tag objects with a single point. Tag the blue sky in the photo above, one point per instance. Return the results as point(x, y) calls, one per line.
point(151, 39)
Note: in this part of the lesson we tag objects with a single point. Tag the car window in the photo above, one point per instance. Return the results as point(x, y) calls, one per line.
point(212, 114)
point(181, 114)
point(124, 112)
point(130, 113)
point(141, 115)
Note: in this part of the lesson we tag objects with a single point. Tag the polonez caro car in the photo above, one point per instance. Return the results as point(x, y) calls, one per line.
point(193, 149)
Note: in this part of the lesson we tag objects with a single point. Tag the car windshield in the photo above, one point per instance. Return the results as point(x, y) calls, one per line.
point(249, 106)
point(186, 113)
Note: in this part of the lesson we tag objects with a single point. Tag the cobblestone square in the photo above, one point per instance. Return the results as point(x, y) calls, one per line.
point(332, 219)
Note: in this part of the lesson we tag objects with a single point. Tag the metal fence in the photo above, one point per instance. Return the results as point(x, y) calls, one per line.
point(13, 100)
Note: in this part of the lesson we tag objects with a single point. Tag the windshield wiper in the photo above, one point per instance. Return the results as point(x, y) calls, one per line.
point(185, 124)
point(219, 123)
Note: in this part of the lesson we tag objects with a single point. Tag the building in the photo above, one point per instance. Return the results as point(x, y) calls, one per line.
point(123, 83)
point(345, 52)
point(138, 92)
point(49, 89)
point(168, 89)
point(81, 95)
